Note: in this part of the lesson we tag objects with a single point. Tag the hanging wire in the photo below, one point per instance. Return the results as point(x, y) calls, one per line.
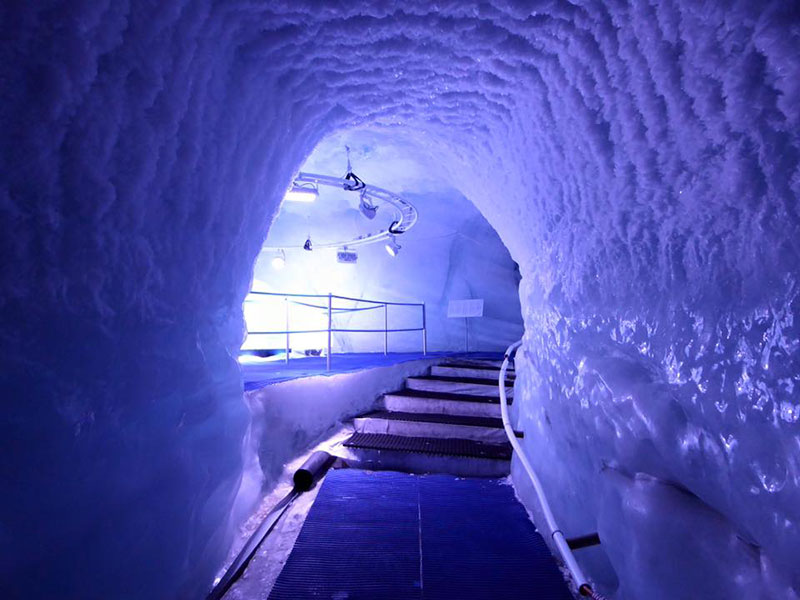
point(357, 183)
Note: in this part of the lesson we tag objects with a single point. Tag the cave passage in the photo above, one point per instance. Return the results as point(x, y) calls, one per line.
point(639, 162)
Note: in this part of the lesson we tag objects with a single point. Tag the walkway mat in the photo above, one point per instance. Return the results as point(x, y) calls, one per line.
point(386, 536)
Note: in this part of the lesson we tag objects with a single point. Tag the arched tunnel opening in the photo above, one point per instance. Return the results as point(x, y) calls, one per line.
point(638, 160)
point(359, 244)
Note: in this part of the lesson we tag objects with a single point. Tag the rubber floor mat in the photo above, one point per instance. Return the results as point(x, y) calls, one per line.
point(386, 536)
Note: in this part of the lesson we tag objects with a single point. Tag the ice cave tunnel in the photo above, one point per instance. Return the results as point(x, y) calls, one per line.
point(617, 180)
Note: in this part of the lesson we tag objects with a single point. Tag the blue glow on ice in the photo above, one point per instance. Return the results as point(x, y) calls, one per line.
point(640, 161)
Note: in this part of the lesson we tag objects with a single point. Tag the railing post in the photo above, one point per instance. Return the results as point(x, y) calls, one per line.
point(424, 331)
point(330, 325)
point(286, 302)
point(385, 329)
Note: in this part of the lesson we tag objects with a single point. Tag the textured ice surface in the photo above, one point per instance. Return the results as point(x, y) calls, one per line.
point(639, 159)
point(679, 436)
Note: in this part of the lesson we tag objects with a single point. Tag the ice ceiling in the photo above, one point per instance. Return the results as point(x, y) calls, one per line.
point(638, 159)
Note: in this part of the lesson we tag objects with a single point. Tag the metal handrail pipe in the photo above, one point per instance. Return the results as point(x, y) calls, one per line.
point(260, 293)
point(374, 330)
point(341, 310)
point(330, 327)
point(377, 301)
point(559, 539)
point(330, 310)
point(290, 332)
point(293, 331)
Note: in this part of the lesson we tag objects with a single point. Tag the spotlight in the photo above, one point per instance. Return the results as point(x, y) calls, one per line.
point(392, 247)
point(307, 245)
point(301, 193)
point(347, 256)
point(367, 208)
point(279, 261)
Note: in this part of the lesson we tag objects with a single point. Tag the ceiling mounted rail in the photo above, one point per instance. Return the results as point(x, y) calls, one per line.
point(405, 214)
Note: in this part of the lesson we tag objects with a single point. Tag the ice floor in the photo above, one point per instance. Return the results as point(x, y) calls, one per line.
point(259, 372)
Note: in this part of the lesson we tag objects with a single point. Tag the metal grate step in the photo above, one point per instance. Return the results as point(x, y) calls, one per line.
point(435, 418)
point(420, 445)
point(448, 396)
point(489, 368)
point(487, 364)
point(467, 380)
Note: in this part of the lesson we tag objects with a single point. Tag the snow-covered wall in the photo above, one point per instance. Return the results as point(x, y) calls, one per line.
point(289, 417)
point(639, 160)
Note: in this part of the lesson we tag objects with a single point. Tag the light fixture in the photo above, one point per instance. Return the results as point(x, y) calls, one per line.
point(392, 247)
point(301, 193)
point(367, 208)
point(347, 256)
point(403, 214)
point(279, 260)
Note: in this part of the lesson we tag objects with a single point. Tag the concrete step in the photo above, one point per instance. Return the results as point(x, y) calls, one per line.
point(486, 429)
point(461, 457)
point(458, 385)
point(420, 401)
point(472, 371)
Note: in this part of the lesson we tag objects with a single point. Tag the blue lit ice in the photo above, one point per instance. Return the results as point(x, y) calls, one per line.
point(640, 161)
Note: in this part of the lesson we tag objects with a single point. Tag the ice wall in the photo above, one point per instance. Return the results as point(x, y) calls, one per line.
point(639, 160)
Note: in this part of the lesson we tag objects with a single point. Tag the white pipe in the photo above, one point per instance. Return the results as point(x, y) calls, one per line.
point(558, 536)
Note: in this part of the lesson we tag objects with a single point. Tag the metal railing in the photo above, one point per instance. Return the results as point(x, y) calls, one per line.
point(582, 583)
point(331, 310)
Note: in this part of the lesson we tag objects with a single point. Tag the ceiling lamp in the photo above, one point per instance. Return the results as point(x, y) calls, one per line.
point(347, 256)
point(301, 193)
point(367, 208)
point(392, 247)
point(279, 261)
point(307, 245)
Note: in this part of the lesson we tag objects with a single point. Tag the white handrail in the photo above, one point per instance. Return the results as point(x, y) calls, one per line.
point(578, 577)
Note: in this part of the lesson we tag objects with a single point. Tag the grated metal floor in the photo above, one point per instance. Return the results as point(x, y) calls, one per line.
point(387, 535)
point(426, 445)
point(408, 392)
point(436, 418)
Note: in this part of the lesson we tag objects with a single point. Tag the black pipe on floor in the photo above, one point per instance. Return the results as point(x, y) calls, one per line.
point(304, 478)
point(583, 541)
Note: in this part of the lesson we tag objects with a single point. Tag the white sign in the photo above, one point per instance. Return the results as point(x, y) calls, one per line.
point(465, 308)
